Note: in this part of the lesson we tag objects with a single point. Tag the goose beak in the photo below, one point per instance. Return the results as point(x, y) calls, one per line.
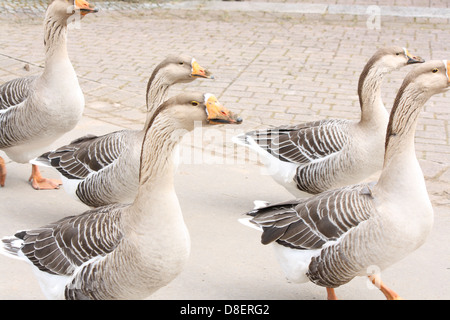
point(217, 113)
point(200, 72)
point(413, 59)
point(85, 7)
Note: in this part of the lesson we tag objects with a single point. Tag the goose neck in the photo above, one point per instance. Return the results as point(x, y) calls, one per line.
point(400, 162)
point(158, 147)
point(55, 38)
point(157, 91)
point(369, 92)
point(156, 202)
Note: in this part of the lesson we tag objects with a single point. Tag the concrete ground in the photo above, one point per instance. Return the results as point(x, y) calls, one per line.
point(274, 64)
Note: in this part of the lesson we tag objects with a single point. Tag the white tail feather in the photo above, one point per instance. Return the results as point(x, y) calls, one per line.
point(240, 139)
point(246, 222)
point(40, 162)
point(10, 247)
point(259, 204)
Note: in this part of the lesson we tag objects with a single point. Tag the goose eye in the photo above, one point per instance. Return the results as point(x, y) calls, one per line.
point(435, 70)
point(181, 63)
point(194, 103)
point(397, 54)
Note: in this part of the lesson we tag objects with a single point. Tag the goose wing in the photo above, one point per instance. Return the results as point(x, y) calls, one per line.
point(304, 143)
point(311, 223)
point(15, 91)
point(86, 155)
point(61, 247)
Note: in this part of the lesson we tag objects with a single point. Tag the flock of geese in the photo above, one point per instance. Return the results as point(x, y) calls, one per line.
point(134, 241)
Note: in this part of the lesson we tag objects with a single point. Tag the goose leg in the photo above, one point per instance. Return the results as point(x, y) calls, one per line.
point(331, 295)
point(40, 183)
point(389, 294)
point(2, 172)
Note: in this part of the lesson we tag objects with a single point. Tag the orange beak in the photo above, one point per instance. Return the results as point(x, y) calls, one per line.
point(217, 113)
point(412, 59)
point(85, 7)
point(198, 71)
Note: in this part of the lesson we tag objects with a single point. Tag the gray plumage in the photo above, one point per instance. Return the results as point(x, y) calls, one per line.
point(62, 247)
point(306, 145)
point(15, 91)
point(317, 156)
point(308, 224)
point(332, 237)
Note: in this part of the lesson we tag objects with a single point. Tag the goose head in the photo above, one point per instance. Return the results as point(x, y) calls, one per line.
point(420, 84)
point(393, 58)
point(63, 9)
point(186, 109)
point(430, 78)
point(181, 69)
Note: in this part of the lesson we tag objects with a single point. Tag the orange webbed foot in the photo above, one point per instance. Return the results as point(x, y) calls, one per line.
point(40, 183)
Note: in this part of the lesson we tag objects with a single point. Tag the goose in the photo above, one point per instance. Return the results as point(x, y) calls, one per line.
point(37, 110)
point(124, 251)
point(313, 157)
point(100, 170)
point(332, 237)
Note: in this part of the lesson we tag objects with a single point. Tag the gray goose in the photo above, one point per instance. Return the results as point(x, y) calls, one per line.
point(35, 111)
point(100, 170)
point(124, 251)
point(313, 157)
point(332, 237)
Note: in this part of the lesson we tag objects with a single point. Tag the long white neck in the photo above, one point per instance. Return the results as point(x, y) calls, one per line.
point(369, 91)
point(156, 190)
point(156, 205)
point(401, 170)
point(157, 91)
point(55, 42)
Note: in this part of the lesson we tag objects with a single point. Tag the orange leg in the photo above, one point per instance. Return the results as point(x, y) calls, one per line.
point(2, 172)
point(389, 294)
point(331, 295)
point(40, 183)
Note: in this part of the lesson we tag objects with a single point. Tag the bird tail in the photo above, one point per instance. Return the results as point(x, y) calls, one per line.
point(42, 160)
point(241, 139)
point(259, 204)
point(11, 247)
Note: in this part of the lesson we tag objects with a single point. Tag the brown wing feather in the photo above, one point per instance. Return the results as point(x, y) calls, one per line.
point(61, 247)
point(85, 155)
point(303, 143)
point(310, 223)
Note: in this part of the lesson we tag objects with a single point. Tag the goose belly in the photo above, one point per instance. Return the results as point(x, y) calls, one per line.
point(406, 228)
point(149, 269)
point(30, 149)
point(62, 114)
point(31, 130)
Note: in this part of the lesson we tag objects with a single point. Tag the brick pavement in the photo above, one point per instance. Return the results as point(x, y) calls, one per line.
point(272, 67)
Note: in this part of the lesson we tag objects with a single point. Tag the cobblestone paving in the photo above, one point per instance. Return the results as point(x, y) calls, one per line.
point(272, 67)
